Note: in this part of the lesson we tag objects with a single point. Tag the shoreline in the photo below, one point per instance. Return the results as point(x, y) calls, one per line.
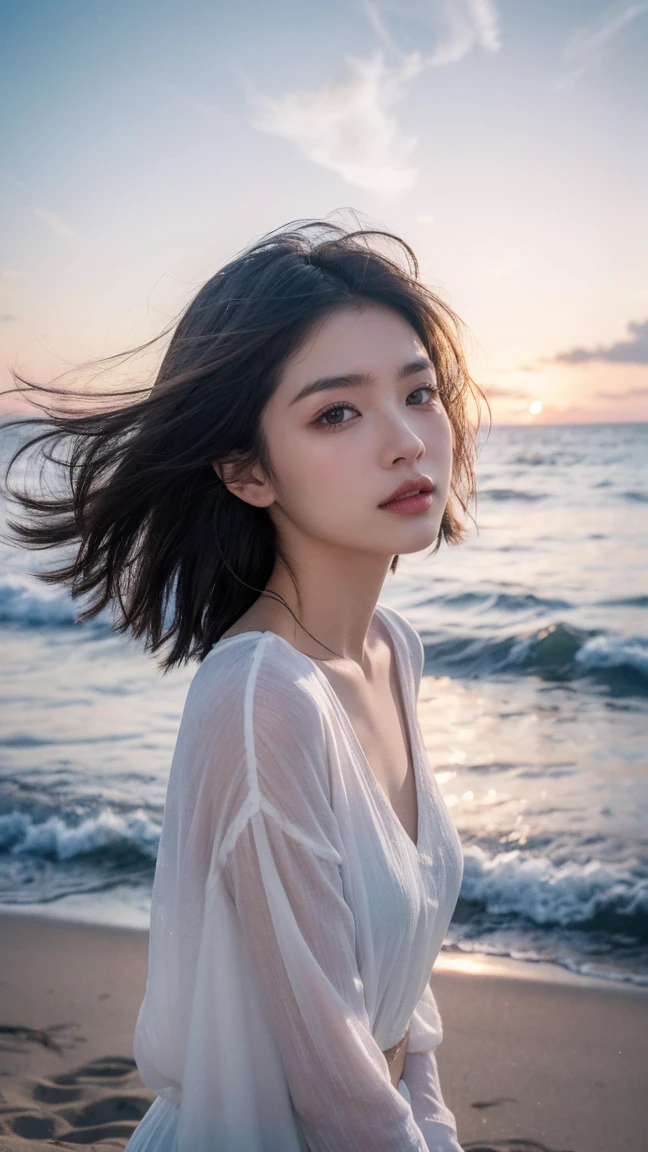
point(544, 971)
point(559, 1063)
point(452, 961)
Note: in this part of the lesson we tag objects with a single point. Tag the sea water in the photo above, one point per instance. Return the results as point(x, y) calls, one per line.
point(533, 707)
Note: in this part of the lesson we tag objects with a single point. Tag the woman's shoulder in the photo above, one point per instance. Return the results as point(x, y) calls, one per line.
point(253, 724)
point(260, 674)
point(241, 652)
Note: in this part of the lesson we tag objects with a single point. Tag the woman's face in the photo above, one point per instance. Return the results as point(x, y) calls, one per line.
point(340, 446)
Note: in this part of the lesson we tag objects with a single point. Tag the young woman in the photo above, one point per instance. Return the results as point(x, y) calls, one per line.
point(307, 425)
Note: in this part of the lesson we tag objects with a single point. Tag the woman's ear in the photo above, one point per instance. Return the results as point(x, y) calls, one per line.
point(248, 483)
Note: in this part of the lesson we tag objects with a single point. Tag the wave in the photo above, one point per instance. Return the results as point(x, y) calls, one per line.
point(495, 600)
point(514, 881)
point(47, 860)
point(59, 839)
point(588, 917)
point(25, 603)
point(31, 605)
point(534, 459)
point(562, 459)
point(556, 651)
point(548, 893)
point(595, 895)
point(510, 494)
point(625, 602)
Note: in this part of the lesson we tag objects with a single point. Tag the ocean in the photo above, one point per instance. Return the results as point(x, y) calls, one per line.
point(533, 707)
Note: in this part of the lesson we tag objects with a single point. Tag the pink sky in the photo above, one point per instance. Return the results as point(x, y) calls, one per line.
point(505, 142)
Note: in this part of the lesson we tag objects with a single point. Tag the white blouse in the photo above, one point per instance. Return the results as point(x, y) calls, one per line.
point(294, 922)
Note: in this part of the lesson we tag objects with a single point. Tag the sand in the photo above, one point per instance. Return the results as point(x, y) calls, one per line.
point(527, 1064)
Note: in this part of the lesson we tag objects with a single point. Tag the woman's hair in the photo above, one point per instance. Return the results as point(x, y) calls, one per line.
point(153, 526)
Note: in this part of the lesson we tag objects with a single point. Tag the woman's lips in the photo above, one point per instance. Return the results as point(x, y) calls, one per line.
point(407, 505)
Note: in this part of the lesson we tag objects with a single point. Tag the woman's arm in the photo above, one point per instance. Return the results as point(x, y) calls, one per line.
point(421, 1076)
point(433, 1117)
point(300, 931)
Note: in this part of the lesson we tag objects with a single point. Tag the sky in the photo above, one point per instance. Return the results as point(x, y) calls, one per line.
point(145, 144)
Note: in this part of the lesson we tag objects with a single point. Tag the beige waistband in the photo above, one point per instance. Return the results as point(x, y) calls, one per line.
point(389, 1053)
point(395, 1057)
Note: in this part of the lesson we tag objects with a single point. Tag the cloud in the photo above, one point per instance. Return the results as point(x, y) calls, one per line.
point(349, 126)
point(502, 392)
point(628, 394)
point(458, 25)
point(54, 223)
point(484, 13)
point(588, 43)
point(634, 350)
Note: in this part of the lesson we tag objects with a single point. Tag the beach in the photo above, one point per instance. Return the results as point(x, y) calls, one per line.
point(528, 1061)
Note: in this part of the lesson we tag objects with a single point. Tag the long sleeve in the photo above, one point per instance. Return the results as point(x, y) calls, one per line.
point(299, 928)
point(429, 1109)
point(421, 1077)
point(281, 868)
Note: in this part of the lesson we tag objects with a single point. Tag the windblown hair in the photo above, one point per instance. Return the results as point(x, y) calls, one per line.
point(154, 528)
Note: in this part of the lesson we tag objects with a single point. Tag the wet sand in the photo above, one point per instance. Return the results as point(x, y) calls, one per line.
point(526, 1064)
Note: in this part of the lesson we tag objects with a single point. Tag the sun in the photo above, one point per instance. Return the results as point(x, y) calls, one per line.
point(535, 407)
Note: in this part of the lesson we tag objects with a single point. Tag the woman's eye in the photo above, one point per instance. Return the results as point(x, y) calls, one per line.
point(427, 388)
point(321, 419)
point(330, 411)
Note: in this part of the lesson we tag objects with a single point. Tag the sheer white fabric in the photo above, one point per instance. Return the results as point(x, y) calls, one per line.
point(294, 922)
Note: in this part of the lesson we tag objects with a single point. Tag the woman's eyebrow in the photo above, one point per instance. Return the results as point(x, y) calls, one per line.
point(324, 383)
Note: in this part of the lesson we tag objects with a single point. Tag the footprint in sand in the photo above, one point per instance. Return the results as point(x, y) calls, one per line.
point(101, 1101)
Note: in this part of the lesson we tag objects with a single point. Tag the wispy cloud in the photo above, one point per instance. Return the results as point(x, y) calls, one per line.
point(506, 392)
point(54, 223)
point(588, 43)
point(457, 26)
point(484, 13)
point(634, 350)
point(348, 126)
point(627, 394)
